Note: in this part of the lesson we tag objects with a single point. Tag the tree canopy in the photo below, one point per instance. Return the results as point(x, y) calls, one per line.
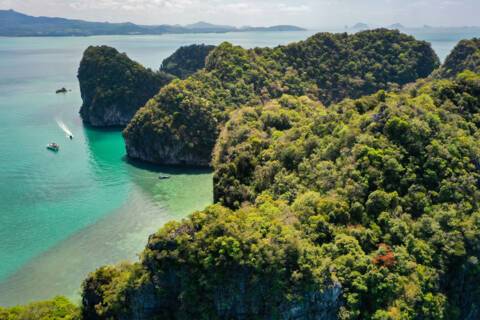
point(366, 209)
point(325, 208)
point(326, 67)
point(57, 309)
point(186, 60)
point(465, 56)
point(113, 87)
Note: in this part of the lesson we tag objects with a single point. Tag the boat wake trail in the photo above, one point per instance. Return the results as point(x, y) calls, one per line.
point(64, 127)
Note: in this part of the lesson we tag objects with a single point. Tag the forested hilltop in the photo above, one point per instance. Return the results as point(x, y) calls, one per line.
point(366, 209)
point(186, 60)
point(466, 56)
point(113, 87)
point(181, 124)
point(362, 208)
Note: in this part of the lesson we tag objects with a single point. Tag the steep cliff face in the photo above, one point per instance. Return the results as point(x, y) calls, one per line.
point(187, 144)
point(165, 154)
point(113, 87)
point(145, 303)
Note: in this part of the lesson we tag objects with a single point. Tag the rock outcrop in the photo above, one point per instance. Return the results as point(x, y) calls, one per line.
point(113, 87)
point(189, 144)
point(465, 56)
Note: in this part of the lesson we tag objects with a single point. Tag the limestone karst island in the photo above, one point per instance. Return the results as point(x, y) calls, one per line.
point(239, 160)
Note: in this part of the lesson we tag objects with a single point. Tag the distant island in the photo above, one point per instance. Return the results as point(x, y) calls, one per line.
point(398, 26)
point(361, 26)
point(16, 24)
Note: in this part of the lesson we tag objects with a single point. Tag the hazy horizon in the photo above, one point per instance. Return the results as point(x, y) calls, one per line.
point(305, 13)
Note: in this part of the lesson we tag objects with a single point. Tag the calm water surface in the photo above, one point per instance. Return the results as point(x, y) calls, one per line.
point(62, 215)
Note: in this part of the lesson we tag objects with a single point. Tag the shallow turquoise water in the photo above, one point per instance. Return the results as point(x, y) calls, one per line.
point(62, 215)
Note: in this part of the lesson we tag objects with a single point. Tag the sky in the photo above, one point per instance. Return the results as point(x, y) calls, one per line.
point(306, 13)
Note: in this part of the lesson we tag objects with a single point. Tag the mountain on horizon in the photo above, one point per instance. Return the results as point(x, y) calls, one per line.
point(361, 26)
point(17, 24)
point(398, 26)
point(207, 26)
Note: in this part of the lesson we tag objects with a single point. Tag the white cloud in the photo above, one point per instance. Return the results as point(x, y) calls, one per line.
point(259, 12)
point(293, 8)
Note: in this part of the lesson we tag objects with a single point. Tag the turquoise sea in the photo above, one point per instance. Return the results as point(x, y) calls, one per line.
point(62, 215)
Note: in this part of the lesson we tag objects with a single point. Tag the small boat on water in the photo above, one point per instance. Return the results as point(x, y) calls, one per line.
point(62, 90)
point(53, 147)
point(164, 177)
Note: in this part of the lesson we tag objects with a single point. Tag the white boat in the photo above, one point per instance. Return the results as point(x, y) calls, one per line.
point(53, 146)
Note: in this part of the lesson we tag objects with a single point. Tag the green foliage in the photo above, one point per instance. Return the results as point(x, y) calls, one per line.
point(217, 250)
point(465, 56)
point(379, 170)
point(105, 292)
point(326, 67)
point(186, 60)
point(113, 87)
point(365, 209)
point(242, 144)
point(217, 264)
point(57, 309)
point(343, 65)
point(184, 131)
point(375, 200)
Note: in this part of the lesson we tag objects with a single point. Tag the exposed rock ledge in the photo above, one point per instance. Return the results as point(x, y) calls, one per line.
point(230, 302)
point(113, 87)
point(159, 153)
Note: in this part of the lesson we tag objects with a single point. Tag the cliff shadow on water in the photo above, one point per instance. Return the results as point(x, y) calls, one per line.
point(95, 138)
point(181, 189)
point(170, 169)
